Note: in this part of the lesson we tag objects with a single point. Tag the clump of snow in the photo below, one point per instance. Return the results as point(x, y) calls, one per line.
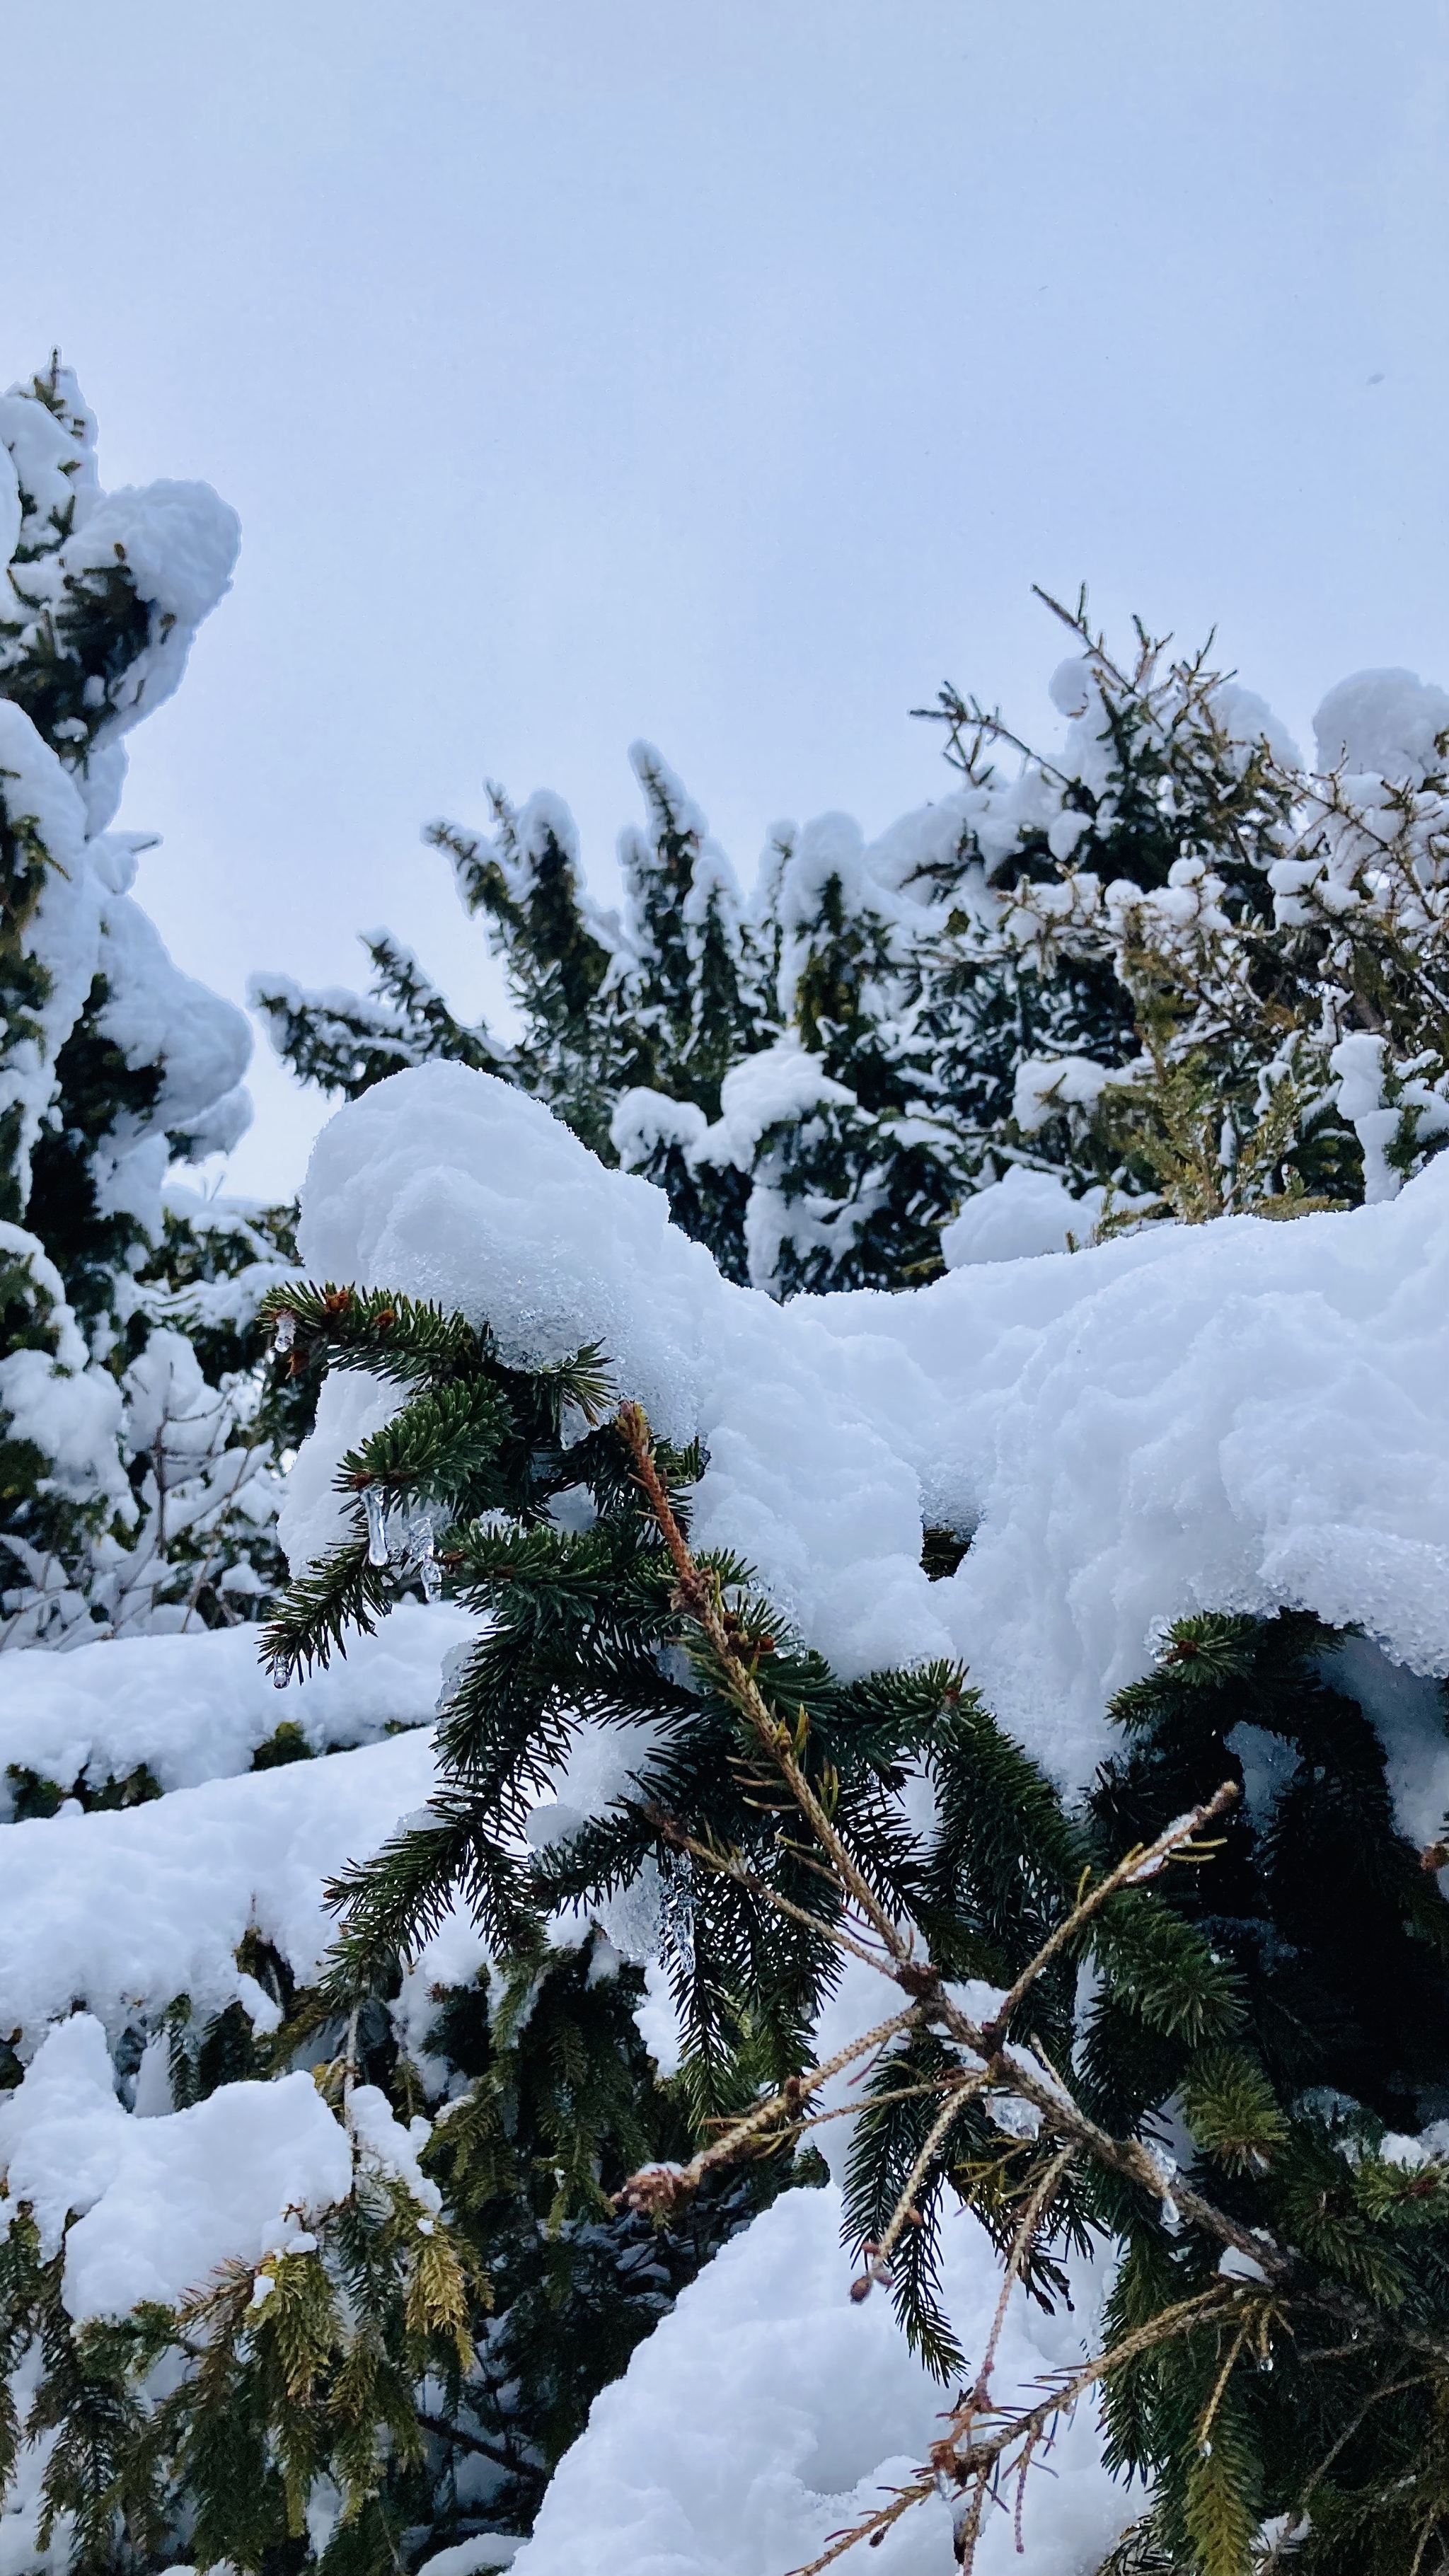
point(124, 1911)
point(1387, 722)
point(195, 1708)
point(156, 1014)
point(1239, 1415)
point(766, 2412)
point(388, 2148)
point(1021, 1214)
point(782, 1082)
point(159, 2204)
point(71, 1418)
point(10, 509)
point(178, 541)
point(1045, 1084)
point(1365, 1080)
point(644, 1120)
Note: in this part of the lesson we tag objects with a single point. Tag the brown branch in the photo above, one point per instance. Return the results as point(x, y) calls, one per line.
point(699, 1595)
point(660, 2188)
point(968, 2457)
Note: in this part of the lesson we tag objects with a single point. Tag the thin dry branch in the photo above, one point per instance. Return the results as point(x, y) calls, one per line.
point(970, 2456)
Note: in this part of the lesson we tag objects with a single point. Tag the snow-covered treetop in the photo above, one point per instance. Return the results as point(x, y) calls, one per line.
point(113, 1063)
point(1165, 965)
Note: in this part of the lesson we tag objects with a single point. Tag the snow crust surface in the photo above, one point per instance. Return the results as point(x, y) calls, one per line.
point(1236, 1416)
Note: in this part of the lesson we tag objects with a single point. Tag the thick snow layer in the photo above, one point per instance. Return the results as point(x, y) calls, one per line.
point(195, 1708)
point(122, 1912)
point(1388, 722)
point(178, 541)
point(160, 2203)
point(766, 2412)
point(645, 1120)
point(71, 1418)
point(1021, 1214)
point(1239, 1416)
point(156, 1014)
point(783, 1082)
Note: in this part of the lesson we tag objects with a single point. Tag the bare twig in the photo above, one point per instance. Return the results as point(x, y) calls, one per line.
point(970, 2456)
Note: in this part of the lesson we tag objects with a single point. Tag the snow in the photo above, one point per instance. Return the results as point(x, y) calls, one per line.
point(64, 933)
point(178, 541)
point(766, 2411)
point(1408, 1712)
point(10, 511)
point(159, 2204)
point(467, 2557)
point(644, 1120)
point(72, 1418)
point(1242, 1415)
point(52, 469)
point(1365, 1073)
point(1045, 1084)
point(386, 2147)
point(780, 1084)
point(195, 1708)
point(1383, 721)
point(124, 1911)
point(156, 1014)
point(1021, 1214)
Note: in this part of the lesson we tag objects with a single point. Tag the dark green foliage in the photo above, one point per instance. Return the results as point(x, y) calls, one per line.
point(1287, 1991)
point(86, 1107)
point(1339, 1942)
point(563, 2103)
point(96, 1092)
point(31, 1794)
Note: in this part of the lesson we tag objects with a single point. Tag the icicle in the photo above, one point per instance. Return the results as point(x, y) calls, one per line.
point(286, 1332)
point(378, 1551)
point(421, 1531)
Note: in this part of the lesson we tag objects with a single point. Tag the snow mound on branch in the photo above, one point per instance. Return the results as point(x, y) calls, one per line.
point(1022, 1214)
point(160, 2203)
point(1236, 1416)
point(195, 1708)
point(178, 541)
point(1387, 722)
point(123, 1912)
point(782, 1083)
point(766, 2412)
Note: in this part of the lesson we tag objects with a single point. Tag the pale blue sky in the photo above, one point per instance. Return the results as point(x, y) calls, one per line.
point(588, 368)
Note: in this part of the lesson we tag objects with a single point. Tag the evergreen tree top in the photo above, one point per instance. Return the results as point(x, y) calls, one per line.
point(1168, 965)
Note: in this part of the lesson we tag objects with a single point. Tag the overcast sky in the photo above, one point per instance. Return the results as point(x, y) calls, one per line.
point(589, 368)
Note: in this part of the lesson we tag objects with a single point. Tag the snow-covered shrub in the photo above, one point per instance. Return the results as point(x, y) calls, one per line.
point(134, 1486)
point(1168, 965)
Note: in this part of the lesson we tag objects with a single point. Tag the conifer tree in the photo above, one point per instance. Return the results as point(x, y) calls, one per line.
point(1278, 2337)
point(1167, 965)
point(134, 1486)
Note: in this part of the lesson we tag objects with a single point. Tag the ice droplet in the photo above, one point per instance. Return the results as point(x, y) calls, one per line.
point(376, 1510)
point(286, 1332)
point(432, 1574)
